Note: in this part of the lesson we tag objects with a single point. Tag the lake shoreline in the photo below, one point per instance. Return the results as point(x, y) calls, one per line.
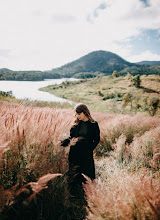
point(30, 89)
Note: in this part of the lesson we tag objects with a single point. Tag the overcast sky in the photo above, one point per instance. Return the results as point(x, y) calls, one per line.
point(45, 34)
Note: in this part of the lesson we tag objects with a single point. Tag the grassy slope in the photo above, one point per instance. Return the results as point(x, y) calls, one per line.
point(94, 91)
point(12, 99)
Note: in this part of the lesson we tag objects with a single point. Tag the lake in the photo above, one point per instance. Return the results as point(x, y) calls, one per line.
point(29, 89)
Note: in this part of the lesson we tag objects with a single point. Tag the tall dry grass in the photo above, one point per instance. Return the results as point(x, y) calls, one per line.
point(128, 180)
point(29, 140)
point(120, 194)
point(127, 161)
point(29, 150)
point(113, 126)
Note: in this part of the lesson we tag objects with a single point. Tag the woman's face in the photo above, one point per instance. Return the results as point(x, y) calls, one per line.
point(81, 116)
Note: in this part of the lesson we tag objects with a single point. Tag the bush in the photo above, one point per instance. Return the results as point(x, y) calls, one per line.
point(136, 81)
point(115, 73)
point(153, 104)
point(109, 96)
point(99, 93)
point(9, 93)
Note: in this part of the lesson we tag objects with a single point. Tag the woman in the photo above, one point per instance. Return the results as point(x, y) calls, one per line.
point(84, 137)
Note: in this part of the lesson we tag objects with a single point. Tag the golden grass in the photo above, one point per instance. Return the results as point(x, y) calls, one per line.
point(119, 194)
point(127, 159)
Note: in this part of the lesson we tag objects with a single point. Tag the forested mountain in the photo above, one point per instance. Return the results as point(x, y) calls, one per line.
point(103, 62)
point(92, 64)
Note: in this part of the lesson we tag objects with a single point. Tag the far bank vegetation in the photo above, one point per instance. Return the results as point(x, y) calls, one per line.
point(114, 93)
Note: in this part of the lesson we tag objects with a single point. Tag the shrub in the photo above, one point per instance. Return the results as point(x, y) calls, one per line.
point(136, 81)
point(99, 93)
point(153, 104)
point(9, 93)
point(109, 96)
point(115, 73)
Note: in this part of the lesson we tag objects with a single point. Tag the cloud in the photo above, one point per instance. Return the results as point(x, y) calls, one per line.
point(63, 19)
point(146, 2)
point(96, 12)
point(146, 55)
point(45, 34)
point(5, 52)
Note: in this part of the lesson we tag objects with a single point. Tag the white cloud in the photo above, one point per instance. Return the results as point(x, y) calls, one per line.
point(146, 55)
point(46, 34)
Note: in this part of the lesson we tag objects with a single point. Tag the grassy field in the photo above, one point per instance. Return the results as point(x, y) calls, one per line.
point(26, 102)
point(33, 166)
point(108, 94)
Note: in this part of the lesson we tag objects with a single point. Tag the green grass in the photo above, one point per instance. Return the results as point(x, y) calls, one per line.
point(105, 93)
point(26, 102)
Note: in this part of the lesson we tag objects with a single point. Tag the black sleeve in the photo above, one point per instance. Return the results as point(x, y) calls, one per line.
point(96, 137)
point(73, 132)
point(65, 142)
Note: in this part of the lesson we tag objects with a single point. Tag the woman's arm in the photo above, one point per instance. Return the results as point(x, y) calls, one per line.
point(96, 136)
point(66, 141)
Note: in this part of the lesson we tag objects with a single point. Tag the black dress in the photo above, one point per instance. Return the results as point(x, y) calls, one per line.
point(81, 154)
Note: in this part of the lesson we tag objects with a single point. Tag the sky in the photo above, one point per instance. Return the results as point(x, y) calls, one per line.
point(45, 34)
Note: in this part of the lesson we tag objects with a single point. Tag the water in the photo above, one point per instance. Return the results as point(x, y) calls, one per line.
point(29, 89)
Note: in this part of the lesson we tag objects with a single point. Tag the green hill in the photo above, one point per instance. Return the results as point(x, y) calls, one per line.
point(94, 62)
point(104, 63)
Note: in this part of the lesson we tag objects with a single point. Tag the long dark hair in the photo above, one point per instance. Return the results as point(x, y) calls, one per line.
point(79, 108)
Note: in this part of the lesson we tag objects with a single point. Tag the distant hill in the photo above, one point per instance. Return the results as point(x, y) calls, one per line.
point(92, 64)
point(149, 62)
point(141, 70)
point(97, 61)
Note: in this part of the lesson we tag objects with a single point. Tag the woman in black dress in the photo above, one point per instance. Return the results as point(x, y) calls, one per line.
point(84, 137)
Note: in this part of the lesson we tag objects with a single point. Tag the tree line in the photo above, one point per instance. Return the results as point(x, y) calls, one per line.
point(6, 74)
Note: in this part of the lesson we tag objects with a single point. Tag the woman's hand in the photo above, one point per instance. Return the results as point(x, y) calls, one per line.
point(73, 141)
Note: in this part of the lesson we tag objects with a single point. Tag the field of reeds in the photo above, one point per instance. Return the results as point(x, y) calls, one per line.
point(33, 166)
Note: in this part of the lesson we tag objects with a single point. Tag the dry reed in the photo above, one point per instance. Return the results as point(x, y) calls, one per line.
point(119, 194)
point(29, 149)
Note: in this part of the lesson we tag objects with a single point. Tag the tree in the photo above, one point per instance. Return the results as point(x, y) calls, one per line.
point(136, 81)
point(153, 105)
point(115, 73)
point(127, 98)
